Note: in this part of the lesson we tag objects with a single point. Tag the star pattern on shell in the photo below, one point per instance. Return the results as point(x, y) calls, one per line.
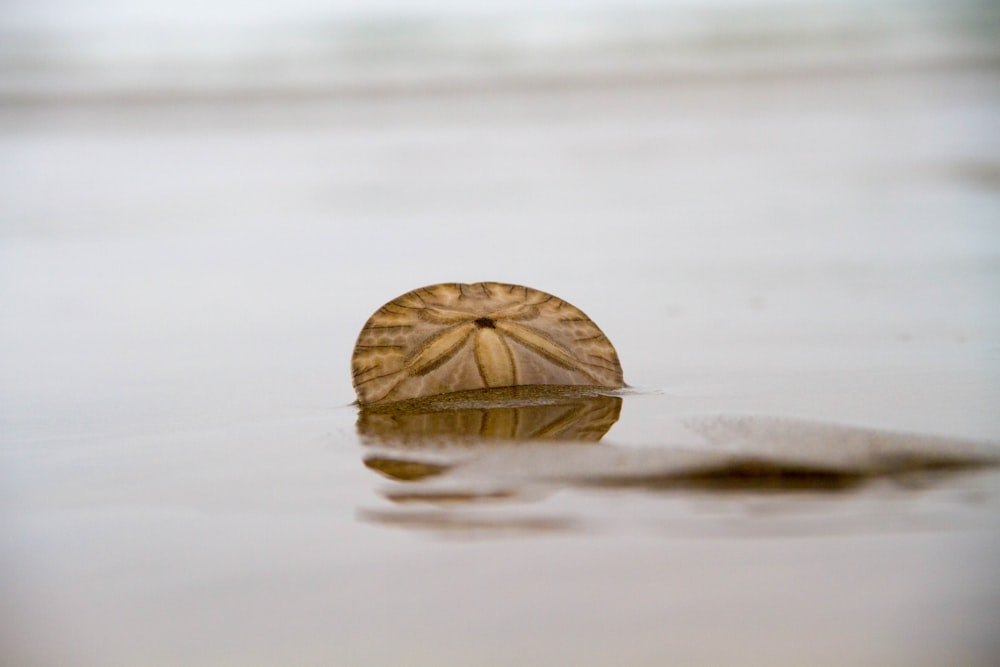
point(457, 337)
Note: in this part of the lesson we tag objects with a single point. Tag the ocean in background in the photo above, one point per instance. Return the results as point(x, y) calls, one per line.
point(64, 50)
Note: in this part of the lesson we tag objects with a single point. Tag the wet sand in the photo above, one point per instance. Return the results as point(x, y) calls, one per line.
point(800, 277)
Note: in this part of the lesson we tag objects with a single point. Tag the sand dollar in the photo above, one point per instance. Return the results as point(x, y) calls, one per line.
point(457, 337)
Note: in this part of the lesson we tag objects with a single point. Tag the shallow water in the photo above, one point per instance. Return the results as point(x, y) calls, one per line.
point(283, 540)
point(799, 276)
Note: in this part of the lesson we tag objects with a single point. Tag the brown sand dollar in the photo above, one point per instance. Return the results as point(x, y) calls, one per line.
point(457, 337)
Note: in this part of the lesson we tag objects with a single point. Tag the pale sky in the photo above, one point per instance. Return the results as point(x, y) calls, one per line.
point(113, 14)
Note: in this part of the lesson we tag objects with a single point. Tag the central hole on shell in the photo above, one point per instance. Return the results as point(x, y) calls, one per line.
point(486, 323)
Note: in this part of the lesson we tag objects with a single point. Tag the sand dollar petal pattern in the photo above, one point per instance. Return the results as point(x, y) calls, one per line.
point(458, 337)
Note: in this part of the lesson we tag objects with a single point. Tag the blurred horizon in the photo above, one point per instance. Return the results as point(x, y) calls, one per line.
point(55, 51)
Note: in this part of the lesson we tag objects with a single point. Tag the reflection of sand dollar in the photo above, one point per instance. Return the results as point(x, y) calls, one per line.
point(457, 337)
point(517, 413)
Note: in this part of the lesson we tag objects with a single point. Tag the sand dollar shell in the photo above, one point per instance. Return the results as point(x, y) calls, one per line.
point(457, 337)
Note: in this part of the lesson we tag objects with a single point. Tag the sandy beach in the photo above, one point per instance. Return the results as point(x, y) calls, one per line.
point(797, 259)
